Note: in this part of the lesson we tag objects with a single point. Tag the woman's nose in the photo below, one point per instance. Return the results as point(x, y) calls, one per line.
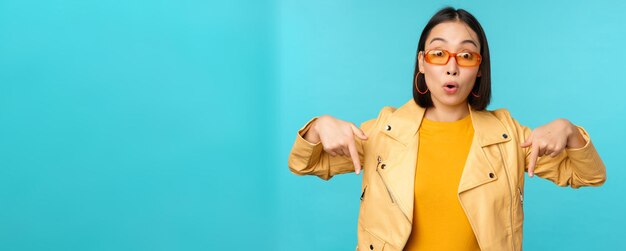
point(453, 68)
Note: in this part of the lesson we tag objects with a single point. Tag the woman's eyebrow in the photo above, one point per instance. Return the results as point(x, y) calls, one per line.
point(468, 41)
point(438, 38)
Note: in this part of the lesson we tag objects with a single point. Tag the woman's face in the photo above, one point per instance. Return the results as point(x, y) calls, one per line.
point(454, 37)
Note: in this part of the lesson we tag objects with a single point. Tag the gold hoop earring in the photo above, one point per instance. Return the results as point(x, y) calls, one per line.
point(415, 83)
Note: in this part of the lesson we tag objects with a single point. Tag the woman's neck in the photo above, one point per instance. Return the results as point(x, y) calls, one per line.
point(447, 113)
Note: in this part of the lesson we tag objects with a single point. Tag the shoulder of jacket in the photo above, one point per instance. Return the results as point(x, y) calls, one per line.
point(504, 115)
point(501, 113)
point(386, 111)
point(383, 114)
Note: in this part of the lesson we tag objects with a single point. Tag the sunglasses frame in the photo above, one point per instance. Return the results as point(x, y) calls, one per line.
point(453, 54)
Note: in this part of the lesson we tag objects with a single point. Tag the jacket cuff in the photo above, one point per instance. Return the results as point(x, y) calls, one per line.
point(305, 152)
point(585, 159)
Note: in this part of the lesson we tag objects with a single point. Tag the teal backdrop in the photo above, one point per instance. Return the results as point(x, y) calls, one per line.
point(166, 125)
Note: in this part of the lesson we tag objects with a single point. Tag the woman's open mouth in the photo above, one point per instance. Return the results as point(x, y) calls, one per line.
point(451, 87)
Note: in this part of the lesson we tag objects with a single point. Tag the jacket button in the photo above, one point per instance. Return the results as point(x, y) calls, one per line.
point(491, 175)
point(388, 127)
point(505, 136)
point(382, 166)
point(371, 247)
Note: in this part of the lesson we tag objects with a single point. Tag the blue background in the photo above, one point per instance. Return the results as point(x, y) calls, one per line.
point(166, 125)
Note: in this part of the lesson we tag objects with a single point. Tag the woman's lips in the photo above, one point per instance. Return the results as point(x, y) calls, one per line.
point(451, 87)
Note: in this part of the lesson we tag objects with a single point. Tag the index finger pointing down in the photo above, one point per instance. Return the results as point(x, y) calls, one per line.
point(354, 155)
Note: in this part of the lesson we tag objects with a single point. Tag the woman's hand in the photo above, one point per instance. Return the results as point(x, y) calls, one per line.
point(551, 139)
point(337, 137)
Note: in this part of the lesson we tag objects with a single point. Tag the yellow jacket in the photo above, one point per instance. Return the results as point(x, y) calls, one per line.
point(491, 189)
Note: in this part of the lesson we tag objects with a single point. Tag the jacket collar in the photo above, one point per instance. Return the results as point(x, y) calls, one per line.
point(405, 121)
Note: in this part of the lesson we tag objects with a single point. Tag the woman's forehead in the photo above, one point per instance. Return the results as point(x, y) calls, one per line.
point(454, 34)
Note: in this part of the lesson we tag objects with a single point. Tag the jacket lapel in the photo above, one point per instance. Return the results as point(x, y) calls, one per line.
point(479, 166)
point(403, 127)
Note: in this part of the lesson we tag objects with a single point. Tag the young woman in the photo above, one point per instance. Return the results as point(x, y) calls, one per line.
point(441, 172)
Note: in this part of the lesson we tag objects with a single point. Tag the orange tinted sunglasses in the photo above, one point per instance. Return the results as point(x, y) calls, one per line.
point(464, 58)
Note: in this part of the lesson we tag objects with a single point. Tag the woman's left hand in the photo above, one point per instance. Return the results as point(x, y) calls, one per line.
point(551, 139)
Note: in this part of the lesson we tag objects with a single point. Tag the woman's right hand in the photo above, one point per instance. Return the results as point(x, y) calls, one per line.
point(337, 137)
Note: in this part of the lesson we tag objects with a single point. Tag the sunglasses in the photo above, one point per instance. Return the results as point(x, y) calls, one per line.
point(464, 58)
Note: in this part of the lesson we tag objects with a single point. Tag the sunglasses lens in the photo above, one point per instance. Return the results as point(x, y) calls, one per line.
point(437, 57)
point(468, 59)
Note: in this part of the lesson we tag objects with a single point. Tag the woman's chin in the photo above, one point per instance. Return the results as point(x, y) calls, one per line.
point(451, 101)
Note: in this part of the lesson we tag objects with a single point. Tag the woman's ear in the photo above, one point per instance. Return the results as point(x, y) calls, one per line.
point(420, 59)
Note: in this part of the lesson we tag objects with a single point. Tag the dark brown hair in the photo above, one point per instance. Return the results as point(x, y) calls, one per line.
point(482, 86)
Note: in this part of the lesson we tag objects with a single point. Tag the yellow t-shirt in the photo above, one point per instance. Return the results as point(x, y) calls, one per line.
point(439, 222)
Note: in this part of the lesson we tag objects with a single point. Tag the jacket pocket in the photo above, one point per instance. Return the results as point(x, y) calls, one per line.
point(363, 201)
point(363, 193)
point(381, 166)
point(521, 197)
point(369, 242)
point(519, 210)
point(518, 217)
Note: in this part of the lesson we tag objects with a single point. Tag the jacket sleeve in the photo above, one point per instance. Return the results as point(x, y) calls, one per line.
point(575, 167)
point(306, 158)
